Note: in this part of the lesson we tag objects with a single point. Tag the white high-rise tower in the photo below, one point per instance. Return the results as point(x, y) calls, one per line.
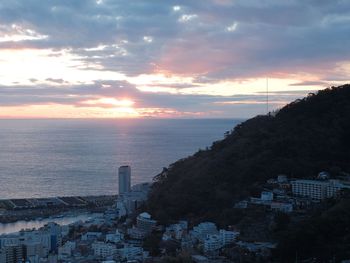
point(124, 174)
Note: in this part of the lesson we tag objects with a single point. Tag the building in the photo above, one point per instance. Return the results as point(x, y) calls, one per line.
point(199, 259)
point(133, 200)
point(66, 250)
point(26, 245)
point(91, 236)
point(183, 224)
point(13, 253)
point(228, 237)
point(175, 231)
point(201, 231)
point(316, 189)
point(167, 236)
point(143, 187)
point(257, 247)
point(54, 231)
point(282, 178)
point(128, 202)
point(323, 175)
point(136, 233)
point(282, 207)
point(121, 208)
point(115, 237)
point(335, 186)
point(145, 223)
point(130, 253)
point(124, 176)
point(212, 243)
point(104, 250)
point(241, 204)
point(266, 196)
point(186, 242)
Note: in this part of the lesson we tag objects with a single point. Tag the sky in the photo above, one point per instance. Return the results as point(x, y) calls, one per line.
point(167, 59)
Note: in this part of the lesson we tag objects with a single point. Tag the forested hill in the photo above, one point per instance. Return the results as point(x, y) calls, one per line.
point(301, 139)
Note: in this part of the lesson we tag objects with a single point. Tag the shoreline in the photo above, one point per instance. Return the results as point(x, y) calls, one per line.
point(63, 219)
point(13, 210)
point(30, 215)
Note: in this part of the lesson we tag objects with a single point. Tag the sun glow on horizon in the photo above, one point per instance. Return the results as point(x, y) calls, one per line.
point(62, 69)
point(114, 107)
point(66, 111)
point(110, 102)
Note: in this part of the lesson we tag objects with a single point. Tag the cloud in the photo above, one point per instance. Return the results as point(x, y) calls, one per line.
point(122, 95)
point(209, 42)
point(224, 39)
point(60, 81)
point(310, 83)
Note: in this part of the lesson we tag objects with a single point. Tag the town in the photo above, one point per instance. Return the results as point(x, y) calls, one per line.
point(123, 233)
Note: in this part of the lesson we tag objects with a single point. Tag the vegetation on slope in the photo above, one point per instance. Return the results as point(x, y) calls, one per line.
point(325, 237)
point(301, 139)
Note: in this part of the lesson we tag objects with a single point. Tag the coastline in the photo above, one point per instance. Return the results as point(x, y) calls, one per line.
point(29, 215)
point(36, 208)
point(65, 218)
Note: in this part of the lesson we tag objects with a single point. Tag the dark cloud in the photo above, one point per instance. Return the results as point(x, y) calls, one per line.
point(310, 83)
point(291, 36)
point(59, 81)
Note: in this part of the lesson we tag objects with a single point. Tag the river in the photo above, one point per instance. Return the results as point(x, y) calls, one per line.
point(37, 223)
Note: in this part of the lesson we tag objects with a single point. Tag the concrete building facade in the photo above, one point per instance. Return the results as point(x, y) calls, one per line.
point(318, 189)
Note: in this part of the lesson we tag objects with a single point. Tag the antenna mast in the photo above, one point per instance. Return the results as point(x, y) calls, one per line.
point(267, 96)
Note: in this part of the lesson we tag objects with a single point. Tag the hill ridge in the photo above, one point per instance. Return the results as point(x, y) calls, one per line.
point(299, 140)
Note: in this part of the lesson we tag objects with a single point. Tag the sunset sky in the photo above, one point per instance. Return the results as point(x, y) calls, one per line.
point(167, 59)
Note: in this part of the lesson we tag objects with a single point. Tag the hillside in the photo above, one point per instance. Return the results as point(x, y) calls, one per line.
point(301, 139)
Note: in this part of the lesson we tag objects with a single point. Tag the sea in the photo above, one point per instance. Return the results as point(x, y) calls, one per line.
point(44, 158)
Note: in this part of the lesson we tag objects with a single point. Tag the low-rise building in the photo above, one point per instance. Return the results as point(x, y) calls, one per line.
point(201, 231)
point(130, 253)
point(136, 233)
point(115, 237)
point(66, 250)
point(145, 223)
point(212, 243)
point(282, 207)
point(335, 186)
point(266, 196)
point(104, 250)
point(91, 236)
point(282, 178)
point(186, 243)
point(241, 204)
point(200, 259)
point(175, 231)
point(228, 237)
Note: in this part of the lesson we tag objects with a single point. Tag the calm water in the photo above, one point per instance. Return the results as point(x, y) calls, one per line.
point(40, 158)
point(19, 225)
